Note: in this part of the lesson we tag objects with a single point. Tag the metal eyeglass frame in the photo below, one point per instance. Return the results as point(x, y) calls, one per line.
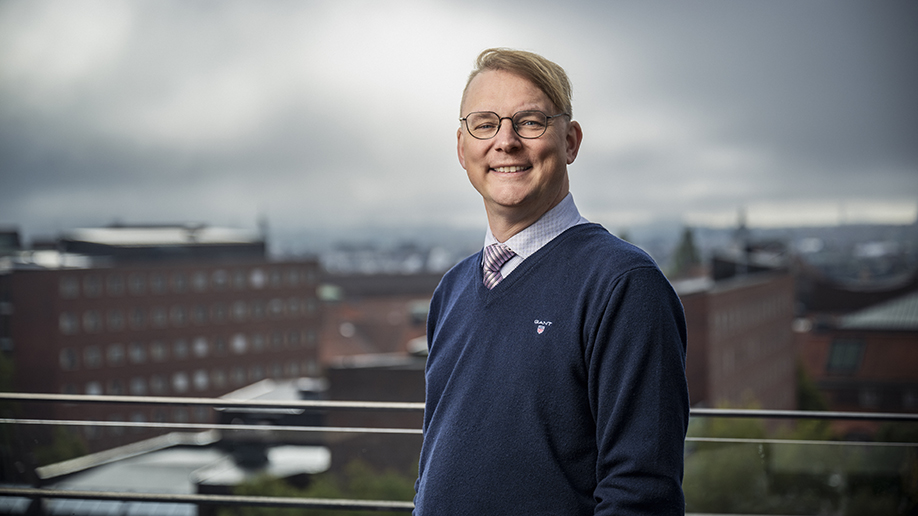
point(501, 119)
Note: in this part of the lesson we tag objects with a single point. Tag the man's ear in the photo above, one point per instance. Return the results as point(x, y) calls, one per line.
point(573, 138)
point(459, 150)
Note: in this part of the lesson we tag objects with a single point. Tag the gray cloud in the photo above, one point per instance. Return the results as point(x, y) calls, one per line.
point(340, 113)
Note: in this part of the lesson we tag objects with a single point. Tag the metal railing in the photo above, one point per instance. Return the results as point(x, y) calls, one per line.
point(326, 405)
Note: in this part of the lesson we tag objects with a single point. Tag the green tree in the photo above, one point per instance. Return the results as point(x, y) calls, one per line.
point(685, 258)
point(359, 482)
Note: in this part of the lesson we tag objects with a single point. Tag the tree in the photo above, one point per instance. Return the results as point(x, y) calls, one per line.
point(685, 258)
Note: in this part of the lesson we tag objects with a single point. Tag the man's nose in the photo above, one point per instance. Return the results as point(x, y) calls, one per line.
point(506, 137)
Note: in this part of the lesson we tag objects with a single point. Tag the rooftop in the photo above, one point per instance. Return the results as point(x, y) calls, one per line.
point(899, 314)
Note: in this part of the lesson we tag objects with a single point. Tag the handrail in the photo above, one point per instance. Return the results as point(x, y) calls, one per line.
point(203, 499)
point(302, 405)
point(214, 402)
point(419, 406)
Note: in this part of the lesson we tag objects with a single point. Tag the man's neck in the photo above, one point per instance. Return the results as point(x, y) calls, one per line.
point(506, 222)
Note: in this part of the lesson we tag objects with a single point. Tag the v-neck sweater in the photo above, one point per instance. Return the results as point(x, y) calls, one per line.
point(560, 391)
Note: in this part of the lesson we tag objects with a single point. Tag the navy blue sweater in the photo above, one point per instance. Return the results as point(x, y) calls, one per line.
point(560, 391)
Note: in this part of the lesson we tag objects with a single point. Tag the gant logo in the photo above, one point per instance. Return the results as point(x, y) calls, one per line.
point(541, 326)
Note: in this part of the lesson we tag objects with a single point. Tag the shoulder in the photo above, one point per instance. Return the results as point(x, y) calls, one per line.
point(598, 250)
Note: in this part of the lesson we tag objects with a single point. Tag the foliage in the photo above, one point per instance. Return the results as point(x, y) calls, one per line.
point(801, 477)
point(685, 257)
point(360, 482)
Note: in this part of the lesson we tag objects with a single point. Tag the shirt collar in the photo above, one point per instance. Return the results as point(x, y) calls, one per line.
point(554, 222)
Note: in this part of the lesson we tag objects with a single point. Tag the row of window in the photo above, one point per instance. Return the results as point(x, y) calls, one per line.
point(158, 317)
point(742, 316)
point(117, 354)
point(199, 380)
point(160, 282)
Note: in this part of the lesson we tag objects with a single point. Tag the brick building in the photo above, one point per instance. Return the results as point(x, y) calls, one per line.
point(155, 311)
point(740, 340)
point(867, 360)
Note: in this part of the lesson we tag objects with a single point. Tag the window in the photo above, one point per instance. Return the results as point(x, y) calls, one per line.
point(115, 320)
point(137, 353)
point(158, 317)
point(138, 386)
point(220, 346)
point(218, 377)
point(157, 283)
point(137, 284)
point(178, 315)
point(292, 277)
point(238, 344)
point(179, 282)
point(180, 382)
point(92, 286)
point(293, 306)
point(238, 375)
point(218, 313)
point(200, 380)
point(158, 384)
point(69, 287)
point(845, 355)
point(200, 347)
point(158, 351)
point(276, 278)
point(276, 307)
point(199, 281)
point(239, 311)
point(94, 388)
point(239, 280)
point(115, 387)
point(115, 284)
point(116, 355)
point(92, 357)
point(92, 321)
point(138, 318)
point(257, 279)
point(69, 323)
point(69, 359)
point(220, 279)
point(258, 310)
point(256, 373)
point(199, 314)
point(258, 342)
point(180, 349)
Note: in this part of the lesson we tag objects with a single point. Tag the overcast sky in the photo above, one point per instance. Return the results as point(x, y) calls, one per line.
point(344, 114)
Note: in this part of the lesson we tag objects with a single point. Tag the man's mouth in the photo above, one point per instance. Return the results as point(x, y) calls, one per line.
point(517, 168)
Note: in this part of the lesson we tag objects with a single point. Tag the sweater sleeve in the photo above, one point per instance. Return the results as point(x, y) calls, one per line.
point(638, 396)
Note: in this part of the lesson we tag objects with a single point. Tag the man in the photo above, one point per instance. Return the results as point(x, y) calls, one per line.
point(556, 373)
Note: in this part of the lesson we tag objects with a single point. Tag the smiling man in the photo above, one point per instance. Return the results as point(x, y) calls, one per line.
point(556, 373)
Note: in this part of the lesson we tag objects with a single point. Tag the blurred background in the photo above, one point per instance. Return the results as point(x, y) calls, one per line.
point(319, 117)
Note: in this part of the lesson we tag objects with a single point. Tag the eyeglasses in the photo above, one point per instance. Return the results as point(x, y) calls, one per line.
point(484, 125)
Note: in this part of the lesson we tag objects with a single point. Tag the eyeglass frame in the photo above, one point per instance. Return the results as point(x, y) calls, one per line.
point(500, 120)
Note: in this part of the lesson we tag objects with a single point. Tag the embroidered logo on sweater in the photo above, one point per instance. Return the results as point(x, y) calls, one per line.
point(541, 326)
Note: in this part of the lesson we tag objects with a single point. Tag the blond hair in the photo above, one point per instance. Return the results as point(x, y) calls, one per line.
point(546, 75)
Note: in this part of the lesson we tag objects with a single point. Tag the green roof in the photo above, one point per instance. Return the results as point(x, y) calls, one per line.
point(900, 314)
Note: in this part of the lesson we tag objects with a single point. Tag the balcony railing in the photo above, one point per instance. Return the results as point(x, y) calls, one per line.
point(325, 405)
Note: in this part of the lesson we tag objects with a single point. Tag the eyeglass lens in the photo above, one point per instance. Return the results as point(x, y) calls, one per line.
point(527, 124)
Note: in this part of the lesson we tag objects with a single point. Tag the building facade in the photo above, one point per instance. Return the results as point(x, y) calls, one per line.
point(740, 340)
point(197, 328)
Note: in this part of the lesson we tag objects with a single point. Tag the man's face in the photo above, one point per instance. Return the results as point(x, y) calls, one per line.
point(519, 179)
